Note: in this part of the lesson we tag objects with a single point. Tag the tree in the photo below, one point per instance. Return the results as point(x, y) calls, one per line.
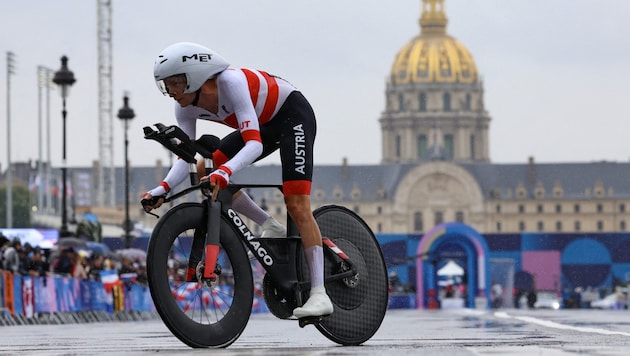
point(21, 207)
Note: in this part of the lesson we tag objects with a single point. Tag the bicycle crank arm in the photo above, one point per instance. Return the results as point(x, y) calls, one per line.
point(341, 275)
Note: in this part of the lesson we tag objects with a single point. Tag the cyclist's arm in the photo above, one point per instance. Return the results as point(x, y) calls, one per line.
point(186, 121)
point(234, 86)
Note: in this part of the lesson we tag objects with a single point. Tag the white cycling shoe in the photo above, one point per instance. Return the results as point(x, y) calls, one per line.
point(272, 228)
point(318, 304)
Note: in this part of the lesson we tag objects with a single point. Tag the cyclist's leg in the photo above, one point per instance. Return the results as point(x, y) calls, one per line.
point(241, 201)
point(296, 152)
point(318, 303)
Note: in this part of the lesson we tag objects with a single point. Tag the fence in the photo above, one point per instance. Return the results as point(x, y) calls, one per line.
point(61, 300)
point(56, 299)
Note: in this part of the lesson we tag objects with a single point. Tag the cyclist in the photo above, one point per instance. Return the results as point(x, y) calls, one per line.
point(268, 114)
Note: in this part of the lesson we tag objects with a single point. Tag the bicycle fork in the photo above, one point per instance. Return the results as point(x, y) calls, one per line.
point(212, 238)
point(209, 245)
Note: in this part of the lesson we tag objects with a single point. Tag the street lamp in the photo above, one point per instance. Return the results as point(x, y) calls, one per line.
point(126, 114)
point(64, 78)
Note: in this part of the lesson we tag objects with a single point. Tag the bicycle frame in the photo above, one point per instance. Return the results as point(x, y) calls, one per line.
point(280, 257)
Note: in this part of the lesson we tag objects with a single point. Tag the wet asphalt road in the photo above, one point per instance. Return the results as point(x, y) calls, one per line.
point(404, 332)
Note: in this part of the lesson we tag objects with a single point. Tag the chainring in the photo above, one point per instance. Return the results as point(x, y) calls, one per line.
point(280, 306)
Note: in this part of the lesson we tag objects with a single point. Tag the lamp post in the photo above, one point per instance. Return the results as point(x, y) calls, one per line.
point(44, 81)
point(10, 70)
point(64, 78)
point(126, 114)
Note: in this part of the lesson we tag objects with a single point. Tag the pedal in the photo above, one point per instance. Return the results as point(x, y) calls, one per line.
point(310, 320)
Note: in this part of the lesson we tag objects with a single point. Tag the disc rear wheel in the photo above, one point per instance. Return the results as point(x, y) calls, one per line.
point(360, 301)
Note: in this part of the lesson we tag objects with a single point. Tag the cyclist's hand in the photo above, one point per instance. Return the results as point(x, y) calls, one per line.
point(219, 179)
point(215, 187)
point(149, 202)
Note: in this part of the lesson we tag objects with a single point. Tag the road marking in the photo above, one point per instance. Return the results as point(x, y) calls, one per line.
point(552, 324)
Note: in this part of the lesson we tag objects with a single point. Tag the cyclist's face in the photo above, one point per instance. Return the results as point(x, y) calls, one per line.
point(173, 85)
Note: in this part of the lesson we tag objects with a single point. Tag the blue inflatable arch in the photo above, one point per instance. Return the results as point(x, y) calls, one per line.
point(477, 266)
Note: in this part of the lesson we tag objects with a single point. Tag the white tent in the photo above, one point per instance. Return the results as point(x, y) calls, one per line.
point(451, 268)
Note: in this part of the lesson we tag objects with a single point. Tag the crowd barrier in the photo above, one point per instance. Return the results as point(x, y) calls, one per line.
point(61, 300)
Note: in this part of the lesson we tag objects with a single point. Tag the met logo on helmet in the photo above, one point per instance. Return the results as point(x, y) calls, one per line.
point(200, 57)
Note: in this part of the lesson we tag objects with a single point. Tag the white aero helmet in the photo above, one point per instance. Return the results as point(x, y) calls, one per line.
point(197, 62)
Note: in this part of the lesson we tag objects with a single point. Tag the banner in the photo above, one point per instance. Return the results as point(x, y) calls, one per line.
point(8, 292)
point(17, 295)
point(45, 295)
point(99, 296)
point(28, 297)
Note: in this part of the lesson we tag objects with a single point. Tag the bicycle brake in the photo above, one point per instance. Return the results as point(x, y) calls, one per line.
point(207, 282)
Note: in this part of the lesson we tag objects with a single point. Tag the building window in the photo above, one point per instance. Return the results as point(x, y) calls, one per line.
point(521, 226)
point(447, 101)
point(468, 101)
point(449, 146)
point(539, 208)
point(472, 147)
point(558, 226)
point(600, 226)
point(498, 207)
point(541, 226)
point(459, 216)
point(521, 208)
point(417, 222)
point(498, 226)
point(379, 210)
point(278, 210)
point(439, 218)
point(577, 226)
point(422, 146)
point(398, 146)
point(422, 102)
point(622, 225)
point(600, 208)
point(379, 227)
point(401, 102)
point(356, 209)
point(576, 208)
point(622, 208)
point(558, 208)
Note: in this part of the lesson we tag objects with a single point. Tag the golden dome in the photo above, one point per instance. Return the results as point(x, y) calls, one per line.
point(433, 56)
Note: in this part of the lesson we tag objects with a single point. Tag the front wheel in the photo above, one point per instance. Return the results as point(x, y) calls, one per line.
point(200, 314)
point(360, 302)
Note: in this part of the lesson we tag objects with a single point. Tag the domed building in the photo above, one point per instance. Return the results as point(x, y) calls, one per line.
point(434, 107)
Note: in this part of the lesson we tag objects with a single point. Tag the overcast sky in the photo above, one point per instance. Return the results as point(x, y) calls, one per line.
point(556, 73)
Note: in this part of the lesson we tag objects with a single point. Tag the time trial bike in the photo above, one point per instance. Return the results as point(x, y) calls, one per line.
point(200, 275)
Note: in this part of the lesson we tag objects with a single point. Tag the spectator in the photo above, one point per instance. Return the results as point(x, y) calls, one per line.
point(37, 265)
point(497, 295)
point(78, 270)
point(12, 256)
point(142, 274)
point(531, 299)
point(4, 244)
point(95, 266)
point(63, 263)
point(23, 254)
point(126, 266)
